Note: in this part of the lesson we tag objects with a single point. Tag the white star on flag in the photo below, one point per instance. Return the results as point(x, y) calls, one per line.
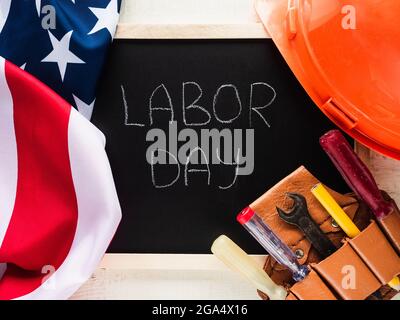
point(61, 54)
point(85, 109)
point(4, 11)
point(38, 6)
point(107, 18)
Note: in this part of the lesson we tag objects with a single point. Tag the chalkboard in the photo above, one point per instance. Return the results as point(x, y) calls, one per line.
point(198, 129)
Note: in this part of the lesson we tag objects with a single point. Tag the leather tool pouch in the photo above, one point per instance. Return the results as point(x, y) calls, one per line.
point(359, 269)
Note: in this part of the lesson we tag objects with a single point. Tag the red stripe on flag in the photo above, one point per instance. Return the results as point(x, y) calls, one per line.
point(45, 215)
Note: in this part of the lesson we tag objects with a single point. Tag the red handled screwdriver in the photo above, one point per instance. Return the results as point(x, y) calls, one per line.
point(355, 172)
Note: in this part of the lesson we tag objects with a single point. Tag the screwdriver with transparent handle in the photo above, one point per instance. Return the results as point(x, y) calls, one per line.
point(270, 242)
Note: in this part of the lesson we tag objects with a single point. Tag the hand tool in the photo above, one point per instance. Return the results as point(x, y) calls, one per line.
point(270, 241)
point(355, 172)
point(342, 219)
point(337, 213)
point(238, 260)
point(300, 217)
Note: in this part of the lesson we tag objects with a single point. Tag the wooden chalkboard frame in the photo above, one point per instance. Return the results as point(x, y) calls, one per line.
point(178, 34)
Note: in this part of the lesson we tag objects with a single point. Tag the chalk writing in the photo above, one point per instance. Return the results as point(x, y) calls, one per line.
point(153, 176)
point(126, 120)
point(193, 105)
point(257, 109)
point(169, 103)
point(227, 86)
point(194, 148)
point(199, 150)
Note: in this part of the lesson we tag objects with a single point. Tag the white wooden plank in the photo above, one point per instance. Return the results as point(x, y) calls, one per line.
point(169, 261)
point(166, 285)
point(192, 31)
point(175, 277)
point(187, 11)
point(189, 19)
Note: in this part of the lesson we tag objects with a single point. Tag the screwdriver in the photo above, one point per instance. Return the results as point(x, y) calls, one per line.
point(238, 260)
point(270, 242)
point(342, 219)
point(355, 172)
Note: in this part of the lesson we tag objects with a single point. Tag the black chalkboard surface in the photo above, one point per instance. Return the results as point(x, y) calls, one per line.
point(198, 129)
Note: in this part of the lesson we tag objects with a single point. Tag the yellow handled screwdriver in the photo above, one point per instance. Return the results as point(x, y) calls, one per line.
point(238, 260)
point(342, 219)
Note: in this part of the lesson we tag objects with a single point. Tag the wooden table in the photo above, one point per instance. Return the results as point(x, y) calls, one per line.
point(181, 277)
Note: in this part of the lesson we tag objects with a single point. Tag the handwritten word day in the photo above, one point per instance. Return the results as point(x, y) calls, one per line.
point(193, 149)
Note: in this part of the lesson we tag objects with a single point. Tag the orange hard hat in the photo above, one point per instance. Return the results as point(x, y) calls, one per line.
point(346, 54)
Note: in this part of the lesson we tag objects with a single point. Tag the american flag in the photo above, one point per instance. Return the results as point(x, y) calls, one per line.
point(58, 204)
point(68, 54)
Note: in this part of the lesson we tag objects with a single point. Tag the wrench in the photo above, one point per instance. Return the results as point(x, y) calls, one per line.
point(300, 217)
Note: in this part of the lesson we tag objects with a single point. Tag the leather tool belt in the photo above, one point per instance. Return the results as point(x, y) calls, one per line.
point(359, 269)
